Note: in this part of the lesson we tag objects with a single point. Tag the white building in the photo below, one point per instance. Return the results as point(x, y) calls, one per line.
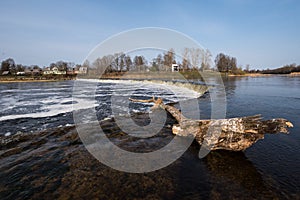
point(175, 68)
point(54, 70)
point(82, 70)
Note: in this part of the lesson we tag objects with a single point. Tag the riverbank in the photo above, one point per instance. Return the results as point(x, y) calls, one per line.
point(185, 75)
point(259, 74)
point(16, 79)
point(139, 75)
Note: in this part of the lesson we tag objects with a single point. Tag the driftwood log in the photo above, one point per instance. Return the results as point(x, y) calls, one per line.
point(235, 134)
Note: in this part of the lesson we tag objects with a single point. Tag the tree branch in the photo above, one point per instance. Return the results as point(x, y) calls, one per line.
point(233, 134)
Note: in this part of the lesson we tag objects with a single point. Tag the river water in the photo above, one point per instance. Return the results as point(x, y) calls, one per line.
point(269, 167)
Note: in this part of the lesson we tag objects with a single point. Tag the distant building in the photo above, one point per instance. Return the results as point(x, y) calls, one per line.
point(20, 73)
point(6, 73)
point(53, 70)
point(82, 70)
point(28, 71)
point(77, 70)
point(72, 71)
point(47, 70)
point(175, 68)
point(37, 72)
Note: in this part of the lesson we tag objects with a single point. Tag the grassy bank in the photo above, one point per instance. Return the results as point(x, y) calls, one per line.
point(159, 75)
point(190, 75)
point(9, 79)
point(182, 75)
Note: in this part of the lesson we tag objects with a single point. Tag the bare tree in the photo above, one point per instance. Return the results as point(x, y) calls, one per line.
point(154, 65)
point(104, 64)
point(169, 59)
point(20, 68)
point(195, 55)
point(128, 62)
point(116, 62)
point(206, 59)
point(139, 62)
point(185, 59)
point(122, 62)
point(8, 65)
point(225, 63)
point(160, 62)
point(247, 68)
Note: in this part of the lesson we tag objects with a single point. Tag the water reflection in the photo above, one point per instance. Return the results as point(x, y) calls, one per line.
point(233, 175)
point(222, 175)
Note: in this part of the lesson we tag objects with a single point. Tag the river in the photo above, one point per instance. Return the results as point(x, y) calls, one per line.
point(269, 169)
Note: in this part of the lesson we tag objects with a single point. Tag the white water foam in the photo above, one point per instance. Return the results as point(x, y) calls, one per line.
point(52, 110)
point(160, 88)
point(47, 104)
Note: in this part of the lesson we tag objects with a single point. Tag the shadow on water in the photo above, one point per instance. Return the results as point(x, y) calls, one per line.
point(221, 175)
point(234, 176)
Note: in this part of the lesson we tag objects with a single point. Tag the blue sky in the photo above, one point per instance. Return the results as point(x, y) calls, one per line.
point(264, 34)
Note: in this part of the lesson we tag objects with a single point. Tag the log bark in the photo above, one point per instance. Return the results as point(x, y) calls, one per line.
point(235, 134)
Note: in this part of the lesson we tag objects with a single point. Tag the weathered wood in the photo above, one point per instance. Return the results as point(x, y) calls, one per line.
point(235, 134)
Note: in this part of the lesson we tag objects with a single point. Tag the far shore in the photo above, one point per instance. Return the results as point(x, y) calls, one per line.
point(13, 79)
point(186, 75)
point(259, 74)
point(130, 76)
point(26, 80)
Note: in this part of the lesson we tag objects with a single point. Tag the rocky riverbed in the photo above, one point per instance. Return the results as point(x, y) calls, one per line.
point(54, 164)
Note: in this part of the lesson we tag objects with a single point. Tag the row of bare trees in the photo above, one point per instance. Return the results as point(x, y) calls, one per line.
point(193, 58)
point(119, 62)
point(225, 63)
point(196, 58)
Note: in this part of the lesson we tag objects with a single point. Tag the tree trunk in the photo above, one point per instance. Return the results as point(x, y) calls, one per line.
point(235, 134)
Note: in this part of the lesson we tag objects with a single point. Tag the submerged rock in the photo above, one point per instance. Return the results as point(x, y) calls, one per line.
point(55, 164)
